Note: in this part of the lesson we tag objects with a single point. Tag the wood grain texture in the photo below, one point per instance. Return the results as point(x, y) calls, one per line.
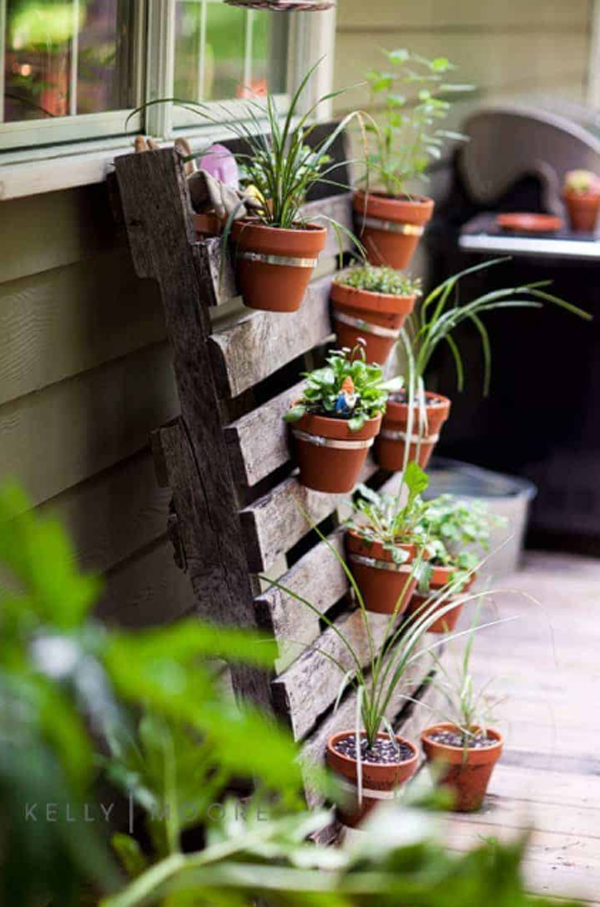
point(311, 684)
point(238, 351)
point(163, 244)
point(259, 442)
point(59, 323)
point(274, 523)
point(320, 579)
point(72, 430)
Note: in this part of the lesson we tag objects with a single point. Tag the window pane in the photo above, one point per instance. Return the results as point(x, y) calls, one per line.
point(65, 57)
point(225, 52)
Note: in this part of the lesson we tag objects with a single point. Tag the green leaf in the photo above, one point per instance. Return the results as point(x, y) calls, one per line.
point(295, 413)
point(130, 854)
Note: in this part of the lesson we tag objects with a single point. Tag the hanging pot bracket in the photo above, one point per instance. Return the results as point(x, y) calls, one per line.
point(284, 6)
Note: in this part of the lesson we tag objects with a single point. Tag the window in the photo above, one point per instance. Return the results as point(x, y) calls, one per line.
point(75, 69)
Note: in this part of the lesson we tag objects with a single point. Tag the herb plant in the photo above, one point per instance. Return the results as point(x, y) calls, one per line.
point(413, 92)
point(457, 531)
point(380, 280)
point(383, 518)
point(346, 371)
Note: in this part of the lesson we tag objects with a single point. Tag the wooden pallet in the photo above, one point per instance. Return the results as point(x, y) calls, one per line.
point(228, 460)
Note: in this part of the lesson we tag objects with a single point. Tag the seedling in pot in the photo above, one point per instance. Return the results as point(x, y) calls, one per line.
point(415, 416)
point(277, 249)
point(458, 536)
point(464, 747)
point(372, 303)
point(385, 542)
point(336, 419)
point(414, 94)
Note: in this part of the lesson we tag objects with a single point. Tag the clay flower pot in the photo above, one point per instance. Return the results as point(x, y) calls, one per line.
point(376, 317)
point(274, 266)
point(392, 440)
point(385, 587)
point(331, 456)
point(379, 781)
point(583, 209)
point(390, 228)
point(207, 225)
point(465, 773)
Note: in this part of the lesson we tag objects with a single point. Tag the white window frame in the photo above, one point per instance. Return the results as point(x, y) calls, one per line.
point(52, 167)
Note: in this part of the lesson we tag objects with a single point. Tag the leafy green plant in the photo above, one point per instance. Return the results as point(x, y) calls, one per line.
point(386, 519)
point(442, 312)
point(583, 182)
point(413, 91)
point(380, 280)
point(346, 373)
point(458, 535)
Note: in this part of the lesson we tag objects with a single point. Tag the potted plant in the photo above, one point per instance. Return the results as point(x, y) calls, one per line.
point(582, 198)
point(336, 419)
point(277, 250)
point(385, 543)
point(412, 91)
point(370, 759)
point(372, 303)
point(414, 416)
point(457, 533)
point(463, 747)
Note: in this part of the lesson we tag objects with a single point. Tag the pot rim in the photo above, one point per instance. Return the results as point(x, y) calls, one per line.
point(447, 726)
point(349, 761)
point(418, 201)
point(338, 429)
point(251, 223)
point(379, 550)
point(373, 295)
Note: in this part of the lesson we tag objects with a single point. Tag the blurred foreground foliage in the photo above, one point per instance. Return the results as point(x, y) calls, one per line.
point(80, 701)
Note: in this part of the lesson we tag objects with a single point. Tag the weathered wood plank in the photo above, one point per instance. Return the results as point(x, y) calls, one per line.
point(311, 684)
point(157, 210)
point(59, 323)
point(72, 430)
point(259, 442)
point(317, 577)
point(273, 524)
point(263, 342)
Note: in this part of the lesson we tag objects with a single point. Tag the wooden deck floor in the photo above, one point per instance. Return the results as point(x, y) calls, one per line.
point(548, 665)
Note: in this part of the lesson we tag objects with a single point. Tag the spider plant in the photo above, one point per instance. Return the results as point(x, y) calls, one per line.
point(467, 706)
point(276, 158)
point(441, 313)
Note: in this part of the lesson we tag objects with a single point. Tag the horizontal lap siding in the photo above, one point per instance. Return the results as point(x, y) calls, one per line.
point(85, 376)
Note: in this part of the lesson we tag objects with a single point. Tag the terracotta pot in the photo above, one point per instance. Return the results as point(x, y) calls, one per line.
point(333, 460)
point(390, 228)
point(583, 210)
point(376, 317)
point(274, 266)
point(207, 225)
point(466, 775)
point(444, 624)
point(391, 442)
point(385, 588)
point(379, 782)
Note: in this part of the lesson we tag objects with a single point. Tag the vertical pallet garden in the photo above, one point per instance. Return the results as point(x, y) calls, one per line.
point(229, 462)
